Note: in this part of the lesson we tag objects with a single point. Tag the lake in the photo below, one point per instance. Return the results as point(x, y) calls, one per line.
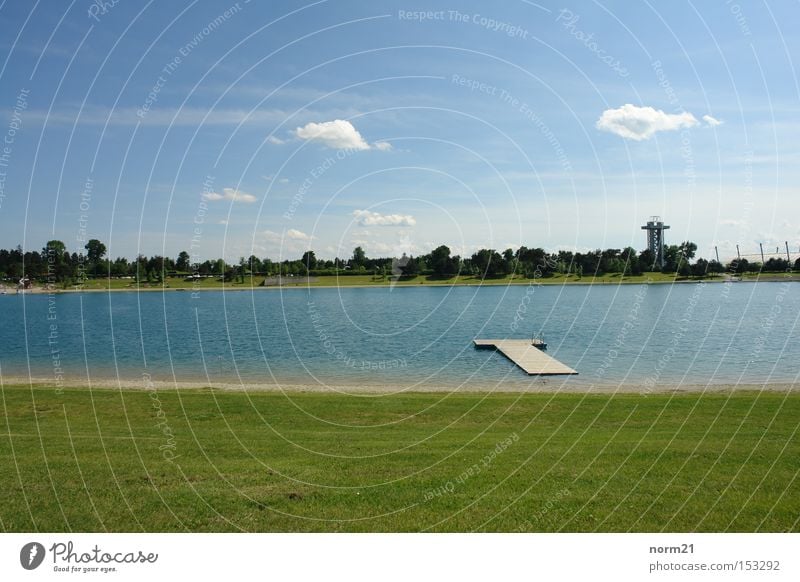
point(410, 338)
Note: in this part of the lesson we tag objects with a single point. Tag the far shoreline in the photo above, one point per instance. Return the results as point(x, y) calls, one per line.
point(148, 384)
point(420, 285)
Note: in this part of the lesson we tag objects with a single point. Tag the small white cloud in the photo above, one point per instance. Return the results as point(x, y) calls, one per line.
point(297, 235)
point(381, 247)
point(231, 194)
point(222, 222)
point(283, 181)
point(239, 196)
point(275, 140)
point(367, 218)
point(733, 222)
point(338, 134)
point(271, 236)
point(291, 235)
point(711, 121)
point(640, 123)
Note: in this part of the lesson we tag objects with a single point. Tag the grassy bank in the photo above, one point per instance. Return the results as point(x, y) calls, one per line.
point(176, 283)
point(209, 461)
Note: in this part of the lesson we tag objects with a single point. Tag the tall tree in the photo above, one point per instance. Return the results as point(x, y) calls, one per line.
point(95, 251)
point(440, 262)
point(488, 263)
point(310, 260)
point(359, 258)
point(647, 260)
point(57, 260)
point(182, 262)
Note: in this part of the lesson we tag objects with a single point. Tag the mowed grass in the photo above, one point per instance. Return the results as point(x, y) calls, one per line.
point(90, 461)
point(175, 283)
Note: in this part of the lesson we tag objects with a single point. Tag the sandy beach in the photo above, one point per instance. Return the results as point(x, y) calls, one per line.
point(537, 386)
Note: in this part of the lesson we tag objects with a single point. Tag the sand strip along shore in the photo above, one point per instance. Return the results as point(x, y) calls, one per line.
point(535, 386)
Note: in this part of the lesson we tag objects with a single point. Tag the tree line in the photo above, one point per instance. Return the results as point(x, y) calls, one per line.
point(56, 264)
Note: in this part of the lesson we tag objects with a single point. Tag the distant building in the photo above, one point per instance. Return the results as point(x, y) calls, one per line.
point(655, 238)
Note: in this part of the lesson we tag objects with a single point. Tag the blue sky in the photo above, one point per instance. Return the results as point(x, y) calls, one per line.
point(230, 129)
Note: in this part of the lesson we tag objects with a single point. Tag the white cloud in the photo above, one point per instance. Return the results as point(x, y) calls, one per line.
point(711, 121)
point(297, 235)
point(287, 245)
point(230, 194)
point(283, 181)
point(291, 234)
point(640, 123)
point(275, 140)
point(381, 248)
point(239, 196)
point(732, 222)
point(385, 248)
point(338, 134)
point(271, 236)
point(367, 218)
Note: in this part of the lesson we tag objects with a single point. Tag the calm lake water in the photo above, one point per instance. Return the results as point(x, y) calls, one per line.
point(407, 337)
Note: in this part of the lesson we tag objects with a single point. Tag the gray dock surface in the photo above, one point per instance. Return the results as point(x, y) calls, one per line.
point(531, 359)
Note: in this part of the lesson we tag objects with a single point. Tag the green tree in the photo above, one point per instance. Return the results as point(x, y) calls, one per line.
point(687, 249)
point(55, 246)
point(672, 257)
point(182, 262)
point(411, 267)
point(715, 267)
point(647, 260)
point(631, 261)
point(141, 268)
point(488, 263)
point(310, 260)
point(739, 266)
point(120, 267)
point(95, 251)
point(359, 258)
point(509, 262)
point(242, 268)
point(700, 268)
point(156, 268)
point(255, 265)
point(440, 262)
point(57, 260)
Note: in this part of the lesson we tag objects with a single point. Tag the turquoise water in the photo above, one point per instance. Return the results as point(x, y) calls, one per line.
point(410, 337)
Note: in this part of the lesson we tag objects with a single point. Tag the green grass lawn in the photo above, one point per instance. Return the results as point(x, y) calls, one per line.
point(100, 460)
point(375, 281)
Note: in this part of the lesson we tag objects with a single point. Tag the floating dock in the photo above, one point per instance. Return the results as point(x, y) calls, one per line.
point(527, 356)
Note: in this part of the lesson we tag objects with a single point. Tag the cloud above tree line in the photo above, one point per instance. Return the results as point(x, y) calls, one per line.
point(368, 218)
point(231, 194)
point(642, 123)
point(338, 134)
